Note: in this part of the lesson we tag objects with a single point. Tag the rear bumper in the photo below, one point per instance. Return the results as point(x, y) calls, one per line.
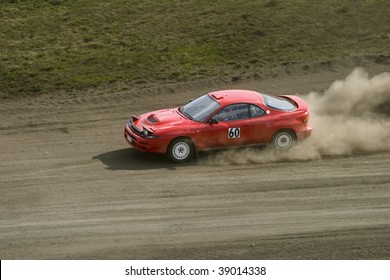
point(309, 130)
point(304, 133)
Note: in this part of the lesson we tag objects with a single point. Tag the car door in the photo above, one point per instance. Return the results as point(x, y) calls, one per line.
point(230, 126)
point(260, 124)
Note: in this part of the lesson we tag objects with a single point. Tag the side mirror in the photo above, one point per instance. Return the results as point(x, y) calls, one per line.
point(213, 121)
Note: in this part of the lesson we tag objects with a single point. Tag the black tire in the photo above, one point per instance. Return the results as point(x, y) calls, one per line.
point(181, 150)
point(283, 140)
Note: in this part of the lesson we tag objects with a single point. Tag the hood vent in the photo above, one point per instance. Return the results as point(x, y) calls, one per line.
point(152, 119)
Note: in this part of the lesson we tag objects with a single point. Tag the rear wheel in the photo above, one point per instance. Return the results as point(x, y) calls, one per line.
point(283, 140)
point(180, 150)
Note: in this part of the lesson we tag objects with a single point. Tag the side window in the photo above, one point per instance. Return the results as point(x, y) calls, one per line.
point(233, 112)
point(256, 111)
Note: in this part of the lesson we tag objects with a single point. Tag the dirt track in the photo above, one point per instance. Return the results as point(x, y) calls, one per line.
point(72, 189)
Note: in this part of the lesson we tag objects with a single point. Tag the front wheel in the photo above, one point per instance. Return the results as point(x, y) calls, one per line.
point(283, 140)
point(180, 150)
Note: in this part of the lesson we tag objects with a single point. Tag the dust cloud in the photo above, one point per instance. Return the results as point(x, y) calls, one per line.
point(351, 116)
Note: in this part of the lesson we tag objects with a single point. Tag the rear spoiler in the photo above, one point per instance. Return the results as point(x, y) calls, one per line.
point(297, 101)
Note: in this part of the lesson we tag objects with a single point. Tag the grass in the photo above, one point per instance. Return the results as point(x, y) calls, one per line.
point(52, 45)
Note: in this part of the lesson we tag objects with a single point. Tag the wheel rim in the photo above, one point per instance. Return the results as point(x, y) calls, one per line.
point(283, 141)
point(181, 150)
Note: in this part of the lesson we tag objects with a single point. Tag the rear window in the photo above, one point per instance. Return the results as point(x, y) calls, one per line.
point(278, 103)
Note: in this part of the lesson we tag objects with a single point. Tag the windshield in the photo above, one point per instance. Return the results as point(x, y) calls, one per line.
point(278, 103)
point(200, 109)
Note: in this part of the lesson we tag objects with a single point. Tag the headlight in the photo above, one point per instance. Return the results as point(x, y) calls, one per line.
point(148, 134)
point(145, 132)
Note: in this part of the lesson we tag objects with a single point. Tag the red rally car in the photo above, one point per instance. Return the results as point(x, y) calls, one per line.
point(221, 119)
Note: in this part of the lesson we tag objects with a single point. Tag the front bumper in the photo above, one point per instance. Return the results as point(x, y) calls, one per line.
point(135, 140)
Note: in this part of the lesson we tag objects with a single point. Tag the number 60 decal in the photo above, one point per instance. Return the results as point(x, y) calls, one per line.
point(234, 132)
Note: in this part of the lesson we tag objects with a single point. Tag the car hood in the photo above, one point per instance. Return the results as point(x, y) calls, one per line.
point(162, 120)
